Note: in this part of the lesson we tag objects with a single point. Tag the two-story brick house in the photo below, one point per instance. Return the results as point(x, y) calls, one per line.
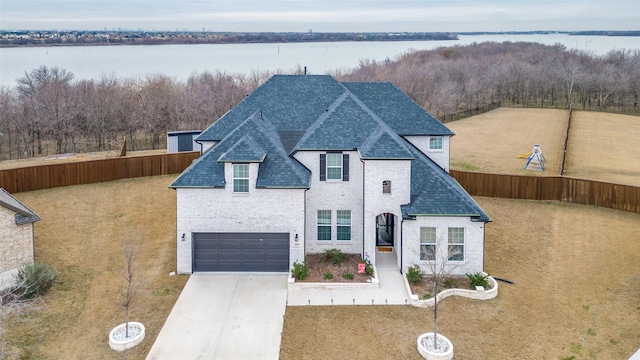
point(307, 163)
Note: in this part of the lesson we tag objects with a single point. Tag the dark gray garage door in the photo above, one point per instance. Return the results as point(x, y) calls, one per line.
point(241, 252)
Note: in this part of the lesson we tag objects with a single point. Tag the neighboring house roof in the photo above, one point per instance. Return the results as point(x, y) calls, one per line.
point(291, 113)
point(23, 214)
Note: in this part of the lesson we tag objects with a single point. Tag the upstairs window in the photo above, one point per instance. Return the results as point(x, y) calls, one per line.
point(344, 225)
point(324, 225)
point(456, 244)
point(428, 243)
point(240, 178)
point(334, 167)
point(435, 143)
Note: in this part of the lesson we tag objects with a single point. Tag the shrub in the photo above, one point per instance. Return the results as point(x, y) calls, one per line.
point(300, 271)
point(450, 283)
point(347, 276)
point(478, 279)
point(426, 296)
point(327, 276)
point(368, 267)
point(34, 280)
point(336, 256)
point(414, 275)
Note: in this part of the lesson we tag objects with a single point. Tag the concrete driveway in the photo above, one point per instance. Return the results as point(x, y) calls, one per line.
point(225, 316)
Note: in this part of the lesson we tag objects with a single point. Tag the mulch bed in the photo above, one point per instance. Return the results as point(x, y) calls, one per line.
point(318, 266)
point(426, 286)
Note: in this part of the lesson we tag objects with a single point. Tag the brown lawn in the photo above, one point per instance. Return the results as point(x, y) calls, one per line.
point(604, 147)
point(80, 235)
point(491, 142)
point(577, 293)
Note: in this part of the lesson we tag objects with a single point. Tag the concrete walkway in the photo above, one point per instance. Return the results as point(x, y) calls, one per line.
point(225, 316)
point(240, 315)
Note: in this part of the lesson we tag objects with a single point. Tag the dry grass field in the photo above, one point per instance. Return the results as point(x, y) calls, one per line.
point(577, 296)
point(491, 142)
point(601, 146)
point(81, 235)
point(604, 147)
point(72, 157)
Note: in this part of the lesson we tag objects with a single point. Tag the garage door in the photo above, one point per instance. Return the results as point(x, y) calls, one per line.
point(241, 252)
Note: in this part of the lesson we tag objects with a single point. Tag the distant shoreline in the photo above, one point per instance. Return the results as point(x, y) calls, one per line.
point(54, 38)
point(108, 38)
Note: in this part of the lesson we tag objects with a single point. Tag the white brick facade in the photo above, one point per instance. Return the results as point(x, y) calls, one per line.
point(473, 244)
point(220, 210)
point(333, 195)
point(440, 157)
point(376, 202)
point(16, 245)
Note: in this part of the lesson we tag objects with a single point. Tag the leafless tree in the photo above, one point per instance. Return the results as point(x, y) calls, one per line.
point(130, 250)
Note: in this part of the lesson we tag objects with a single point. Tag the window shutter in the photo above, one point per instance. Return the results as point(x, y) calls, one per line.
point(345, 167)
point(323, 167)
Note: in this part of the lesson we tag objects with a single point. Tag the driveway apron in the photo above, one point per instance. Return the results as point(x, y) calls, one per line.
point(225, 316)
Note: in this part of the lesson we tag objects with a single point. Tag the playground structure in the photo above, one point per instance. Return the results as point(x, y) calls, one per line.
point(535, 159)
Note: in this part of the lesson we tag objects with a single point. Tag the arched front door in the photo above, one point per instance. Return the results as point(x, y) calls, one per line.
point(385, 229)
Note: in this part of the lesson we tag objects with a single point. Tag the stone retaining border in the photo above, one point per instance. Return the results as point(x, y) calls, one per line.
point(480, 293)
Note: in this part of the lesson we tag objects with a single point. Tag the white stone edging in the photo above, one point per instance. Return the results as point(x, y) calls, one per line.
point(479, 294)
point(122, 345)
point(373, 284)
point(447, 355)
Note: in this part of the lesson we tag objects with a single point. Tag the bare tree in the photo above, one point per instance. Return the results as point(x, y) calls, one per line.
point(130, 252)
point(441, 261)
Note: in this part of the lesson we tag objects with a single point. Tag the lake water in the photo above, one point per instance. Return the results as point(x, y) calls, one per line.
point(180, 61)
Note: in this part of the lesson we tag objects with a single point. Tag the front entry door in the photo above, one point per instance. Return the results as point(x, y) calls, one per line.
point(384, 229)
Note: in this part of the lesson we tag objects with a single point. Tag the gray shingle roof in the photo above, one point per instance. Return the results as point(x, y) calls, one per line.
point(277, 169)
point(316, 112)
point(397, 109)
point(435, 192)
point(246, 150)
point(23, 214)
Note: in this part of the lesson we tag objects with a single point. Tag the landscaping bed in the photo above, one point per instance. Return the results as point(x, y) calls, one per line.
point(424, 288)
point(320, 267)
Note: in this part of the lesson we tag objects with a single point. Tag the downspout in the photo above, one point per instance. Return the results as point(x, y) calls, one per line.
point(363, 209)
point(401, 242)
point(304, 231)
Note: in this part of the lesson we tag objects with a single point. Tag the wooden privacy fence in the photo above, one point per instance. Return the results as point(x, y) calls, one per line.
point(92, 171)
point(577, 191)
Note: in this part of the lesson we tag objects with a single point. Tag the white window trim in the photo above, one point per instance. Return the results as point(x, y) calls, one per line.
point(434, 243)
point(464, 248)
point(234, 178)
point(441, 149)
point(344, 225)
point(329, 225)
point(327, 167)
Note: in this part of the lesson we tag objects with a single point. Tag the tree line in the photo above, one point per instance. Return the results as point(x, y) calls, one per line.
point(49, 112)
point(458, 79)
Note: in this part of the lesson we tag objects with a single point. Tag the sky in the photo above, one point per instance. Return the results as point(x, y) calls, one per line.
point(321, 15)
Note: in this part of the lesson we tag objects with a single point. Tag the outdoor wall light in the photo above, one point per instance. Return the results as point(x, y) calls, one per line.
point(183, 236)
